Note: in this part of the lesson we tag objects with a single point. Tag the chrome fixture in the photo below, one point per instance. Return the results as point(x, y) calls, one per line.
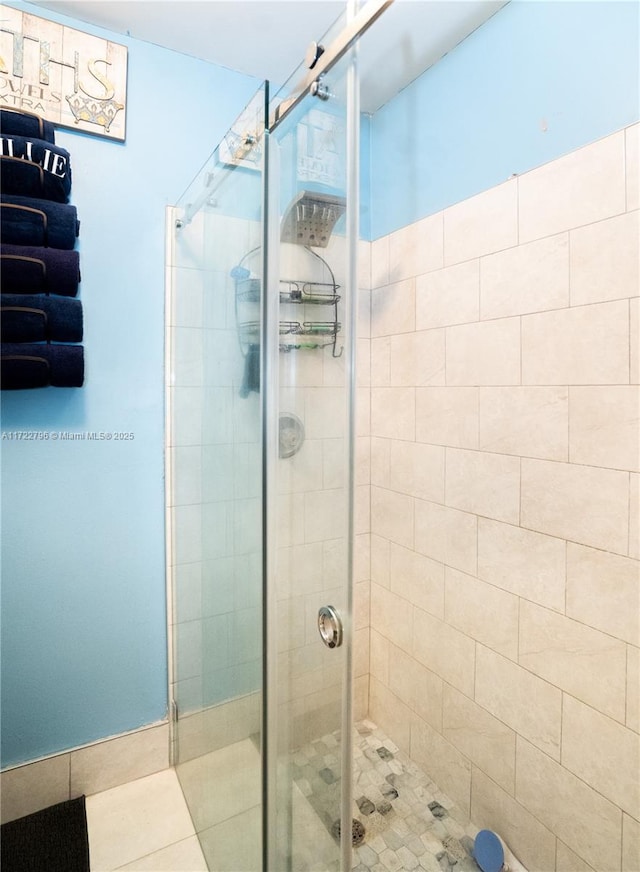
point(330, 626)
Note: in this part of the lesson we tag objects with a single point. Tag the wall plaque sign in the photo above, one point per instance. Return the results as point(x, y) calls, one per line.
point(68, 77)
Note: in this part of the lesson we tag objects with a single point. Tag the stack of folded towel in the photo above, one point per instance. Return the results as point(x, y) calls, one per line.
point(39, 268)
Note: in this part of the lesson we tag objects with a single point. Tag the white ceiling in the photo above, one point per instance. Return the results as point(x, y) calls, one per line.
point(268, 38)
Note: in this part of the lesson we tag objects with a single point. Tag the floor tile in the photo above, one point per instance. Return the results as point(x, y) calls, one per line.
point(135, 819)
point(184, 856)
point(234, 844)
point(221, 784)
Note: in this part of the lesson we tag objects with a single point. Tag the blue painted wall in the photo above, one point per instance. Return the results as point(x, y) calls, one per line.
point(475, 118)
point(83, 583)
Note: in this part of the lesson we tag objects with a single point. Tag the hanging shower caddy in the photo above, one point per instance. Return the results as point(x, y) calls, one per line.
point(308, 221)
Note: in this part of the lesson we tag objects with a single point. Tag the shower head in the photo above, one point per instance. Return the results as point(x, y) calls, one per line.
point(311, 217)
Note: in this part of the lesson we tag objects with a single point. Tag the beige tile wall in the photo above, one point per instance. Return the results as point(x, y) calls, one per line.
point(83, 771)
point(505, 451)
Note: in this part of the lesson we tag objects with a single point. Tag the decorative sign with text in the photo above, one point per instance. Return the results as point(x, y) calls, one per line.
point(65, 76)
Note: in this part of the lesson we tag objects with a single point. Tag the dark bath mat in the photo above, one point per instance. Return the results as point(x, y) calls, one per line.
point(52, 840)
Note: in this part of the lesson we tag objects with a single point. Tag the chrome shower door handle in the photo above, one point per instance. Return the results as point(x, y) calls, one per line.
point(330, 626)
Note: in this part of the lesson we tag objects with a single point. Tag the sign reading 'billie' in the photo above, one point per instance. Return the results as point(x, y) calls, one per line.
point(68, 77)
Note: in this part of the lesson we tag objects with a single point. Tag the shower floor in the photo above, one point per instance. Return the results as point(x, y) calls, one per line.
point(409, 822)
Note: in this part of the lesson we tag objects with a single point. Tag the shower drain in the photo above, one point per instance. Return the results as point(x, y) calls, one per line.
point(357, 832)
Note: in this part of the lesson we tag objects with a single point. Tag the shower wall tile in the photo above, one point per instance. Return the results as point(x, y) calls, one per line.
point(324, 515)
point(417, 359)
point(448, 296)
point(418, 579)
point(361, 605)
point(584, 662)
point(389, 712)
point(362, 460)
point(526, 703)
point(446, 535)
point(187, 587)
point(323, 413)
point(447, 416)
point(392, 615)
point(486, 741)
point(186, 423)
point(381, 461)
point(605, 260)
point(380, 262)
point(187, 475)
point(630, 843)
point(605, 426)
point(598, 584)
point(634, 341)
point(634, 516)
point(381, 362)
point(482, 612)
point(29, 788)
point(526, 421)
point(187, 533)
point(585, 345)
point(444, 650)
point(632, 143)
point(393, 309)
point(449, 768)
point(187, 305)
point(107, 764)
point(482, 224)
point(494, 808)
point(392, 516)
point(487, 353)
point(362, 509)
point(526, 278)
point(522, 349)
point(567, 861)
point(364, 267)
point(417, 687)
point(552, 794)
point(581, 503)
point(584, 186)
point(633, 688)
point(603, 753)
point(363, 412)
point(187, 344)
point(379, 662)
point(482, 483)
point(363, 363)
point(393, 412)
point(361, 652)
point(417, 469)
point(525, 563)
point(380, 560)
point(416, 248)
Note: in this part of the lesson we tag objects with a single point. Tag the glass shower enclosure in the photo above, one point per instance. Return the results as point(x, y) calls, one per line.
point(261, 282)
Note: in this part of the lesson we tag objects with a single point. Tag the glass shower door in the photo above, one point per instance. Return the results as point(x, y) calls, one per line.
point(311, 247)
point(215, 494)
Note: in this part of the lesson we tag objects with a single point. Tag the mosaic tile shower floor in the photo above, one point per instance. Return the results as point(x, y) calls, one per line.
point(410, 824)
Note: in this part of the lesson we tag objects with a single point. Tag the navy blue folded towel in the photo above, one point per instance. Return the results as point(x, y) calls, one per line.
point(35, 168)
point(36, 366)
point(27, 269)
point(23, 123)
point(37, 318)
point(27, 221)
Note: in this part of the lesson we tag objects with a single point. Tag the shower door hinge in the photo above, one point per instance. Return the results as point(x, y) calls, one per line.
point(174, 711)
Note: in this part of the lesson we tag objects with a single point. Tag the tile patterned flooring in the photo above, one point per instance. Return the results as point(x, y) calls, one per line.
point(409, 823)
point(145, 825)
